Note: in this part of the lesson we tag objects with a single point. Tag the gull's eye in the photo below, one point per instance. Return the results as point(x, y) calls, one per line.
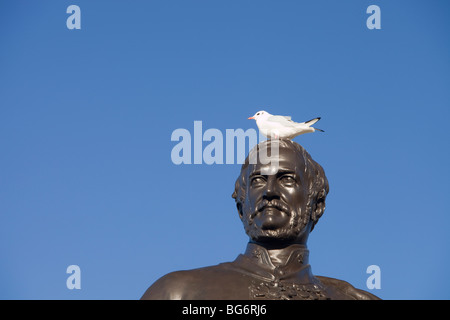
point(257, 114)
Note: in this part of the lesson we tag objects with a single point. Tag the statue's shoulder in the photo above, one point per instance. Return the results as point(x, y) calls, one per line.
point(168, 287)
point(179, 285)
point(346, 289)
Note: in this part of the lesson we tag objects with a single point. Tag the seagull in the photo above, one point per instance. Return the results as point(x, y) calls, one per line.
point(282, 127)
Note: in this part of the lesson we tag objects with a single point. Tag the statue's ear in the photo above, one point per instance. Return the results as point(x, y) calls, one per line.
point(319, 207)
point(239, 208)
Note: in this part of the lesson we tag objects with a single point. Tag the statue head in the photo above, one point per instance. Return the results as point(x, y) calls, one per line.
point(281, 204)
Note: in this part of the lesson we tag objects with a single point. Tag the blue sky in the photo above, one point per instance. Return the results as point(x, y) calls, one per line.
point(86, 118)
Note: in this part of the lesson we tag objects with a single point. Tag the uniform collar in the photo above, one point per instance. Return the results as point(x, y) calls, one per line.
point(256, 261)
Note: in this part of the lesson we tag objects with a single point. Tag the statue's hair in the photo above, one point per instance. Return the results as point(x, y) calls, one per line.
point(318, 187)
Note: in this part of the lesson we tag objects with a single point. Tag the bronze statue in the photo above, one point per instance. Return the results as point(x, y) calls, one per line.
point(279, 209)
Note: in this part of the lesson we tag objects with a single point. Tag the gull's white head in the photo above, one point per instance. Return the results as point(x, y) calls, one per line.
point(260, 115)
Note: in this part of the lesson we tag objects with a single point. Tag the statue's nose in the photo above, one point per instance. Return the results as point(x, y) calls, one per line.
point(271, 191)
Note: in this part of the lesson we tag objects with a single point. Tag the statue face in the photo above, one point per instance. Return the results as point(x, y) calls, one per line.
point(274, 209)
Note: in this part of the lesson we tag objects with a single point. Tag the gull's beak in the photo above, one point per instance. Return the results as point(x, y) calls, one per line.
point(251, 118)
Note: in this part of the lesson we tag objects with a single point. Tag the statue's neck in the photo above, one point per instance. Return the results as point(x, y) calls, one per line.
point(279, 255)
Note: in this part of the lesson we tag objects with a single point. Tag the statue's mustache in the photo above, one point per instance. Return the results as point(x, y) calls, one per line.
point(275, 203)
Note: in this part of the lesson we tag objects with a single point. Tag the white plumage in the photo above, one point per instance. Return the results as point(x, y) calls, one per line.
point(282, 127)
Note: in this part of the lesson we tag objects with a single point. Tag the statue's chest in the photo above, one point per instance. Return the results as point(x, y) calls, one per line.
point(280, 290)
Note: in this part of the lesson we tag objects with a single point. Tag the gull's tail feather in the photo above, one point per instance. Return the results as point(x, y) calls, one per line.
point(317, 129)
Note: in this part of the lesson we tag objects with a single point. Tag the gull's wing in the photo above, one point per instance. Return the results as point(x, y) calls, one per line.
point(312, 121)
point(282, 120)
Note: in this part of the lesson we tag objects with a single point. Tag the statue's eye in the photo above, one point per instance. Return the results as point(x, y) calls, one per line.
point(258, 180)
point(287, 180)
